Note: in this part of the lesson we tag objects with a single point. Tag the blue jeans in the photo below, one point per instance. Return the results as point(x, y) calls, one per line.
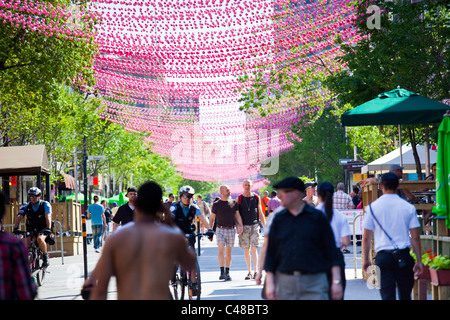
point(97, 231)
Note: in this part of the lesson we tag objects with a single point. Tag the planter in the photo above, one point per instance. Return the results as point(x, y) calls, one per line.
point(440, 277)
point(425, 274)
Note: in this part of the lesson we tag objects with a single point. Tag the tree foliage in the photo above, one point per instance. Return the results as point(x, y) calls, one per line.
point(34, 63)
point(41, 73)
point(201, 187)
point(411, 51)
point(323, 143)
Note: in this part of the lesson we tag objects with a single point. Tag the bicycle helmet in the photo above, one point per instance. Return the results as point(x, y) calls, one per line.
point(34, 191)
point(186, 189)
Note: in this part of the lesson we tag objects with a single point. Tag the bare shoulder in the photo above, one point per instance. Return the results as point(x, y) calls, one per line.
point(121, 235)
point(174, 236)
point(172, 232)
point(166, 234)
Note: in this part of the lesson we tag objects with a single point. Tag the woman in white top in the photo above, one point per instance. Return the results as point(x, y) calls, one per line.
point(338, 221)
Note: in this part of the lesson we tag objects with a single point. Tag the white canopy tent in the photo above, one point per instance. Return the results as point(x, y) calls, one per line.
point(384, 163)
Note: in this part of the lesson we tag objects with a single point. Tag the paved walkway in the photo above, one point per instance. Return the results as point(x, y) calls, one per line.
point(64, 280)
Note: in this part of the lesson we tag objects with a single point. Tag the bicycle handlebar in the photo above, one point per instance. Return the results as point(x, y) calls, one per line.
point(44, 231)
point(199, 235)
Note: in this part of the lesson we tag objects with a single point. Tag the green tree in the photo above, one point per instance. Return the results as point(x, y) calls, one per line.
point(45, 69)
point(37, 58)
point(158, 169)
point(410, 50)
point(323, 142)
point(201, 187)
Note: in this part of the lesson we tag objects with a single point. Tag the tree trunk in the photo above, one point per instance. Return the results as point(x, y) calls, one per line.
point(412, 139)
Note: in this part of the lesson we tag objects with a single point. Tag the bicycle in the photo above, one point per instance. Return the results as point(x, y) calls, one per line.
point(35, 257)
point(182, 282)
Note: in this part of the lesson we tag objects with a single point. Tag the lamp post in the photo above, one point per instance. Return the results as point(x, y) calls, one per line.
point(83, 216)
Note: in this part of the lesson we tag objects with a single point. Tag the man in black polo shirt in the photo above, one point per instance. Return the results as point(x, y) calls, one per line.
point(125, 212)
point(301, 250)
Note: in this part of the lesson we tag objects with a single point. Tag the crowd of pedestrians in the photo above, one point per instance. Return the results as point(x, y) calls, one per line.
point(305, 236)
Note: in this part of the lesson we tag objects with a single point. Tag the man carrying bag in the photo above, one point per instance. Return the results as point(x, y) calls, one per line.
point(391, 220)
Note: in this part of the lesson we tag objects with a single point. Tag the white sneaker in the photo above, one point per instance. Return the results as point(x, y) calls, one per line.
point(97, 250)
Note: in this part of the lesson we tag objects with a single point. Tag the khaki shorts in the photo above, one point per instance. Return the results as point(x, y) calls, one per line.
point(249, 237)
point(302, 287)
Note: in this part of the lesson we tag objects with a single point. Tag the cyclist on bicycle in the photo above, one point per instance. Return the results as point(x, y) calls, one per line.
point(183, 215)
point(39, 220)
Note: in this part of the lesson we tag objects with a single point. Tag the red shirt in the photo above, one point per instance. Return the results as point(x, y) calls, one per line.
point(15, 275)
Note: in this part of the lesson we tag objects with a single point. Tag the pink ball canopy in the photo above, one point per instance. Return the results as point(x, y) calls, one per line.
point(170, 68)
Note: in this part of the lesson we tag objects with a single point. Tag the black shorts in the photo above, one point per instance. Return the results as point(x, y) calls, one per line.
point(35, 228)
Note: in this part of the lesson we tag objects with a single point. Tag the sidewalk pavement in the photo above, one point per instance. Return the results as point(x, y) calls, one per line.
point(64, 281)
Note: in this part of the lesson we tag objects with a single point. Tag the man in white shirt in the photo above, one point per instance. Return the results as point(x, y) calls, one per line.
point(391, 220)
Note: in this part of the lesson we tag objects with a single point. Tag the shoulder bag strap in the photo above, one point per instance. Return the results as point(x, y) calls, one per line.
point(389, 237)
point(258, 202)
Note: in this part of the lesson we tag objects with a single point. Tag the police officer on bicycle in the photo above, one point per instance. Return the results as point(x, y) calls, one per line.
point(39, 220)
point(184, 213)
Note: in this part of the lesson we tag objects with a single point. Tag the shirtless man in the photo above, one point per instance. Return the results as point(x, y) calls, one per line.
point(142, 255)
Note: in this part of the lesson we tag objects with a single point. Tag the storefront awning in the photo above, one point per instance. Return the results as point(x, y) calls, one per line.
point(23, 161)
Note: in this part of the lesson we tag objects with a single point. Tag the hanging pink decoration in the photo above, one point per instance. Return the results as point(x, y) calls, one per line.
point(170, 68)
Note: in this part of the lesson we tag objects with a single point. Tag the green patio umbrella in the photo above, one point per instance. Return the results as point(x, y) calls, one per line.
point(395, 107)
point(81, 197)
point(72, 197)
point(443, 170)
point(119, 198)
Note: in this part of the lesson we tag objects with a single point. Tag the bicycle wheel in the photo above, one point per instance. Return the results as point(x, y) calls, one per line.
point(34, 261)
point(195, 287)
point(40, 271)
point(178, 287)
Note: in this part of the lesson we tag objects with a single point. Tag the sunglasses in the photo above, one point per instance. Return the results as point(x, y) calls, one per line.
point(188, 196)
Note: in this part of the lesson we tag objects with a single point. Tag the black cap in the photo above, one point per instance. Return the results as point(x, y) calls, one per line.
point(310, 185)
point(291, 183)
point(131, 189)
